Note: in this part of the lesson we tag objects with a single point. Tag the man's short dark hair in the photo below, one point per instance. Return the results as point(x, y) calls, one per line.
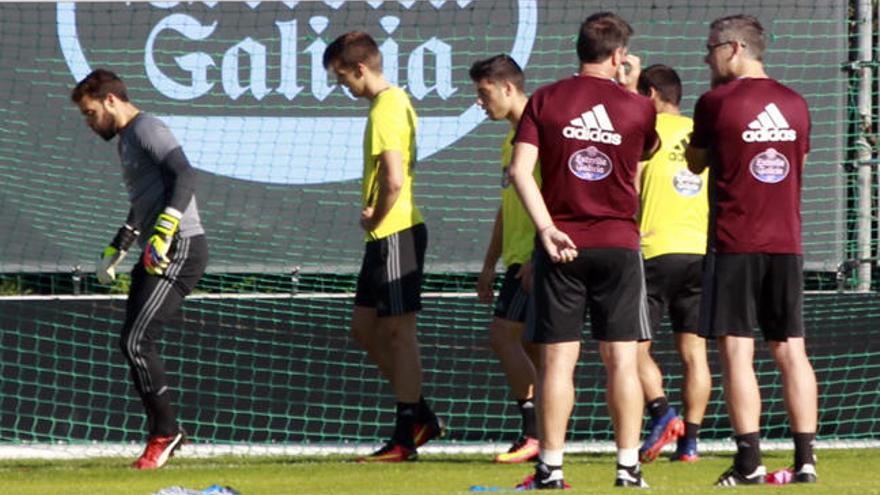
point(743, 28)
point(600, 35)
point(497, 69)
point(97, 85)
point(664, 80)
point(352, 48)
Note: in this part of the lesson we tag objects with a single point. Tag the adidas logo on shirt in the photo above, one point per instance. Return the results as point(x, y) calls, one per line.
point(769, 126)
point(593, 125)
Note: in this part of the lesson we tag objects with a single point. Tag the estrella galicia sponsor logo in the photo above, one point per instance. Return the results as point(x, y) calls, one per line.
point(242, 84)
point(769, 126)
point(687, 183)
point(590, 164)
point(593, 125)
point(769, 166)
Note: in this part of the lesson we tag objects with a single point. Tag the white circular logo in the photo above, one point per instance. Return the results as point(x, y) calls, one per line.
point(590, 164)
point(686, 183)
point(289, 149)
point(769, 166)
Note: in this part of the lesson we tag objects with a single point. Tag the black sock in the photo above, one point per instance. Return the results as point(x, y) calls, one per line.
point(691, 430)
point(748, 453)
point(424, 414)
point(658, 407)
point(529, 421)
point(159, 410)
point(803, 449)
point(404, 424)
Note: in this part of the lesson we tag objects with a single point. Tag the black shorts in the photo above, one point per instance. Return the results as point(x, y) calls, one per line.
point(609, 282)
point(674, 282)
point(512, 301)
point(391, 273)
point(745, 291)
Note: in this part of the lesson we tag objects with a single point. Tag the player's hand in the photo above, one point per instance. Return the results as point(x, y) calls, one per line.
point(106, 266)
point(367, 219)
point(525, 276)
point(485, 282)
point(628, 72)
point(155, 257)
point(113, 254)
point(560, 248)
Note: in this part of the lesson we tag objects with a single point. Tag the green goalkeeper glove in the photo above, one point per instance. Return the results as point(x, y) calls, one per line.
point(115, 253)
point(156, 253)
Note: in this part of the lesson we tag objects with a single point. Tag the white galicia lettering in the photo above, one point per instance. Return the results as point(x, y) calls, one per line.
point(768, 135)
point(194, 50)
point(769, 166)
point(596, 135)
point(196, 64)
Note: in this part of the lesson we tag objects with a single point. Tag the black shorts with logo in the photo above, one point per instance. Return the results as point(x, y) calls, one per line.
point(390, 279)
point(512, 301)
point(674, 282)
point(742, 292)
point(607, 282)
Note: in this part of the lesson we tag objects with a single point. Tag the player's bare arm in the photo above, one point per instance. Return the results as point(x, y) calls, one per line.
point(558, 245)
point(390, 179)
point(697, 158)
point(493, 252)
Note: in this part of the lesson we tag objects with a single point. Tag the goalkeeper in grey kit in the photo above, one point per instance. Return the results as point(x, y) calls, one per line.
point(164, 221)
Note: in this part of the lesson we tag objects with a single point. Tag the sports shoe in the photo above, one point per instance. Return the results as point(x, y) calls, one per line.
point(662, 431)
point(391, 452)
point(732, 477)
point(544, 478)
point(159, 449)
point(425, 432)
point(806, 474)
point(524, 449)
point(686, 450)
point(630, 477)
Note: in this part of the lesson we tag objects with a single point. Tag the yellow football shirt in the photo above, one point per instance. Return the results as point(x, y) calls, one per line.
point(391, 126)
point(675, 207)
point(518, 233)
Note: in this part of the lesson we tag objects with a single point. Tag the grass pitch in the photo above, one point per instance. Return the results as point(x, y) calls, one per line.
point(840, 472)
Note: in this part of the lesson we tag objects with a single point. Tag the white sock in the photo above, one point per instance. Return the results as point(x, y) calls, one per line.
point(628, 457)
point(551, 457)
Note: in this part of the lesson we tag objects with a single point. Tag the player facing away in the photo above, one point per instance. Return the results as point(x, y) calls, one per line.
point(500, 87)
point(673, 223)
point(754, 134)
point(589, 132)
point(161, 188)
point(389, 285)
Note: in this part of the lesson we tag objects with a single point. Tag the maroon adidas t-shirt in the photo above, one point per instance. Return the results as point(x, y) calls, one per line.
point(590, 134)
point(758, 133)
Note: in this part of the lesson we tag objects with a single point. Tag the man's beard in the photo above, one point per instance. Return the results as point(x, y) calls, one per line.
point(106, 133)
point(106, 128)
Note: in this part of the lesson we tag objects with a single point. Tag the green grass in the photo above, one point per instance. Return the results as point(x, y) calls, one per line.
point(841, 472)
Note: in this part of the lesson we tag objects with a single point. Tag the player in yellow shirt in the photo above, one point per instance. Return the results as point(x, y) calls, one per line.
point(674, 217)
point(388, 294)
point(500, 87)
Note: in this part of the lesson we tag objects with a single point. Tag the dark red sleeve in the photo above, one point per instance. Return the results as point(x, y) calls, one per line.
point(527, 131)
point(809, 128)
point(704, 119)
point(651, 137)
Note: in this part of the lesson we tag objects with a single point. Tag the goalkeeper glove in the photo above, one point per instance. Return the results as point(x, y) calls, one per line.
point(156, 253)
point(114, 253)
